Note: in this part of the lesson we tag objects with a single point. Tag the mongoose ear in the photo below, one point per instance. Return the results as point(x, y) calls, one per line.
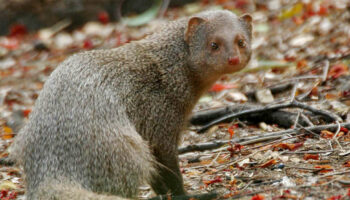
point(247, 18)
point(192, 26)
point(247, 21)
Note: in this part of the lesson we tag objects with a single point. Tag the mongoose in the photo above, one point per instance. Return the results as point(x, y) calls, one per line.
point(107, 121)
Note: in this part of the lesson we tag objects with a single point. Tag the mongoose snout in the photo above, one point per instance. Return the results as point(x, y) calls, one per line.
point(234, 60)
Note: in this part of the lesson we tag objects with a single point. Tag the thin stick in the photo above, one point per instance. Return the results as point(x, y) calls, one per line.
point(260, 137)
point(336, 135)
point(295, 87)
point(330, 116)
point(307, 152)
point(325, 70)
point(272, 142)
point(205, 196)
point(335, 173)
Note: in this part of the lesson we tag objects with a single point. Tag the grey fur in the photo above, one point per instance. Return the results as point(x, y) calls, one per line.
point(108, 120)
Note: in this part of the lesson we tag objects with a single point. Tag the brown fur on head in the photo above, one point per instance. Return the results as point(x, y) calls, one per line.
point(219, 42)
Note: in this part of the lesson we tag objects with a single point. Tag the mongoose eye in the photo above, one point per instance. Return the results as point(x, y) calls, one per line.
point(241, 43)
point(214, 46)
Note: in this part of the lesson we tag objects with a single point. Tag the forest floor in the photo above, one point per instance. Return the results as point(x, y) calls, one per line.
point(301, 55)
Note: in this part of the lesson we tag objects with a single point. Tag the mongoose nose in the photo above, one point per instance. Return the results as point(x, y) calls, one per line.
point(234, 60)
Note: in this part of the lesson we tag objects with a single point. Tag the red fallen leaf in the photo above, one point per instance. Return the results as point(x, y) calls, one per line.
point(239, 167)
point(331, 96)
point(216, 180)
point(12, 195)
point(345, 130)
point(258, 197)
point(338, 197)
point(18, 30)
point(231, 131)
point(231, 150)
point(311, 156)
point(289, 146)
point(220, 1)
point(298, 20)
point(286, 191)
point(3, 193)
point(241, 3)
point(314, 92)
point(347, 164)
point(337, 70)
point(309, 10)
point(286, 196)
point(340, 134)
point(289, 58)
point(10, 43)
point(26, 69)
point(235, 126)
point(323, 10)
point(205, 2)
point(182, 170)
point(327, 134)
point(219, 87)
point(238, 147)
point(326, 168)
point(301, 64)
point(268, 163)
point(103, 17)
point(235, 148)
point(346, 93)
point(26, 112)
point(88, 44)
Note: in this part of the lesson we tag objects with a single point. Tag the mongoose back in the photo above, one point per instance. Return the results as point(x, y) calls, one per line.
point(107, 121)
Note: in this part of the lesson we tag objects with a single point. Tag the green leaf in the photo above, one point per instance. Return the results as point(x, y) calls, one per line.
point(144, 17)
point(295, 10)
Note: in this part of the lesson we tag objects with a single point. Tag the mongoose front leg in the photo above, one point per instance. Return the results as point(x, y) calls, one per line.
point(169, 178)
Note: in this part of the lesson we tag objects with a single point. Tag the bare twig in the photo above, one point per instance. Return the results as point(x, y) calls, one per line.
point(333, 59)
point(307, 152)
point(305, 119)
point(328, 115)
point(307, 93)
point(206, 196)
point(296, 120)
point(292, 95)
point(325, 70)
point(283, 118)
point(335, 137)
point(335, 173)
point(297, 78)
point(260, 137)
point(272, 142)
point(344, 182)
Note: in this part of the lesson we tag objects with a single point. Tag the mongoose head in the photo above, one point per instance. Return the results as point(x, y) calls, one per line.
point(219, 42)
